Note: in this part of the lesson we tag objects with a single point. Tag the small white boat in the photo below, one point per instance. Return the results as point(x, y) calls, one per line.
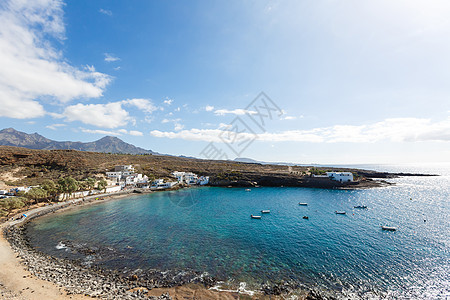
point(340, 212)
point(389, 228)
point(255, 217)
point(303, 204)
point(248, 190)
point(265, 211)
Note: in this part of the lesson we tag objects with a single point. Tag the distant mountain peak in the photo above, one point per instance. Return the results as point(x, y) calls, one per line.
point(10, 130)
point(109, 138)
point(112, 144)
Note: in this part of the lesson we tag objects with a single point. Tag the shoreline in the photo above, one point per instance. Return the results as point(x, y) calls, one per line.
point(26, 273)
point(66, 279)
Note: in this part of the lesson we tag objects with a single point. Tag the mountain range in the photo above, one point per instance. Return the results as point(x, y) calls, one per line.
point(107, 144)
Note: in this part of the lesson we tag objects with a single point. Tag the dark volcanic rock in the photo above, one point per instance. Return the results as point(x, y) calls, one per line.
point(95, 281)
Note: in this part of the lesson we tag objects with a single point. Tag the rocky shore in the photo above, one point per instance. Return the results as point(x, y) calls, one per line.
point(94, 281)
point(78, 278)
point(282, 180)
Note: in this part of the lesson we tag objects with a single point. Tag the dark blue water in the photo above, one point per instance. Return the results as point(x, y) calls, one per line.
point(210, 230)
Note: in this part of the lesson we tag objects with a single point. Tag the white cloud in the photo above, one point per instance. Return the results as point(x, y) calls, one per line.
point(105, 12)
point(144, 105)
point(110, 57)
point(178, 126)
point(55, 126)
point(395, 130)
point(99, 131)
point(113, 132)
point(289, 118)
point(209, 108)
point(238, 111)
point(135, 133)
point(209, 135)
point(168, 101)
point(110, 115)
point(165, 121)
point(31, 68)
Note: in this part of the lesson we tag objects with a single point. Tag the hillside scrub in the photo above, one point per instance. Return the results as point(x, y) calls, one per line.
point(9, 204)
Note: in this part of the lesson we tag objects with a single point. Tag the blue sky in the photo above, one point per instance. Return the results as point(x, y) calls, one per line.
point(354, 81)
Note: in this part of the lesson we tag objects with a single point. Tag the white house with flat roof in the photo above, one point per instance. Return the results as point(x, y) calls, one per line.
point(159, 184)
point(341, 176)
point(186, 177)
point(126, 175)
point(128, 168)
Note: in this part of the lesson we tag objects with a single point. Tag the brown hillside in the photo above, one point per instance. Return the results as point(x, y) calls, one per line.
point(21, 166)
point(37, 165)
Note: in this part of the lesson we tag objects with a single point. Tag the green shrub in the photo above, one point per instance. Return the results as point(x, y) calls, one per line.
point(12, 203)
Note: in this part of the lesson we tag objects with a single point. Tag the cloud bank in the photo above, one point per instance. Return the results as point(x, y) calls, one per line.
point(109, 115)
point(114, 133)
point(31, 69)
point(395, 130)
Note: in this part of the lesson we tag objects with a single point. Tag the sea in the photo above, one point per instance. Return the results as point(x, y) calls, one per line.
point(209, 230)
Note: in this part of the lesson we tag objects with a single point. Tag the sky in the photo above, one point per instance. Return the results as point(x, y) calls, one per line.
point(288, 81)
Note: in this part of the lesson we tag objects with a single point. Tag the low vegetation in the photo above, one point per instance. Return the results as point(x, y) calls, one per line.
point(48, 191)
point(9, 204)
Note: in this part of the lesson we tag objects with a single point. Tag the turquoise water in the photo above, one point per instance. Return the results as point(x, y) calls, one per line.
point(210, 230)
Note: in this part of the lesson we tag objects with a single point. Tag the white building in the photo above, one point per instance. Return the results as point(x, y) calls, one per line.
point(125, 175)
point(113, 189)
point(186, 177)
point(157, 181)
point(341, 176)
point(190, 178)
point(159, 184)
point(124, 168)
point(179, 175)
point(116, 176)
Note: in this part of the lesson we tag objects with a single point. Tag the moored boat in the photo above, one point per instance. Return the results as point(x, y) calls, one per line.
point(265, 211)
point(360, 206)
point(255, 217)
point(389, 228)
point(306, 217)
point(303, 204)
point(340, 212)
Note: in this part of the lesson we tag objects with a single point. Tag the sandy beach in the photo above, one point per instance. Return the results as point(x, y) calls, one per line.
point(18, 283)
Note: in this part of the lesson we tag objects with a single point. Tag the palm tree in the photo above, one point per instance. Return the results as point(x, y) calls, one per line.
point(101, 184)
point(51, 187)
point(67, 185)
point(90, 182)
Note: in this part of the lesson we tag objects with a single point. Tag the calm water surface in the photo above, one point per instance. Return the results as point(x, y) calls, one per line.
point(210, 230)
